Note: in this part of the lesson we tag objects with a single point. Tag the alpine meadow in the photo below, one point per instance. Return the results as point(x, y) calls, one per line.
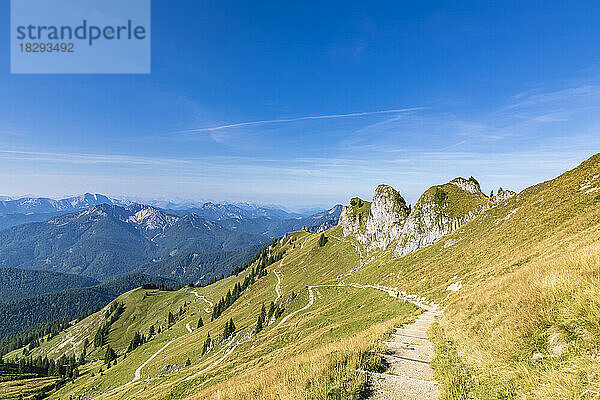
point(386, 200)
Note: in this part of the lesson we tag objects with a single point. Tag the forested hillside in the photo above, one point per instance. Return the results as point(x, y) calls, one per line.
point(517, 280)
point(18, 283)
point(22, 314)
point(106, 241)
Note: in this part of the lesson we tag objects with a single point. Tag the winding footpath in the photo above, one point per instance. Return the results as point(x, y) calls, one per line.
point(409, 375)
point(138, 372)
point(311, 300)
point(210, 303)
point(217, 362)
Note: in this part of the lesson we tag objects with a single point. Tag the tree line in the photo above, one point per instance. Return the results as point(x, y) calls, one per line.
point(111, 316)
point(265, 317)
point(64, 368)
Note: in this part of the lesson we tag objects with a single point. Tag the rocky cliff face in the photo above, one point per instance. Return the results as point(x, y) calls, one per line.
point(439, 211)
point(378, 223)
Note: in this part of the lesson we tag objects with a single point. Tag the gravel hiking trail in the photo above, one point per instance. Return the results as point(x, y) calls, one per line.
point(408, 360)
point(409, 375)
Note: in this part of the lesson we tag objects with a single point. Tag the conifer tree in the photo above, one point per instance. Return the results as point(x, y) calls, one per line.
point(263, 313)
point(82, 357)
point(207, 343)
point(200, 323)
point(259, 325)
point(271, 311)
point(109, 356)
point(322, 240)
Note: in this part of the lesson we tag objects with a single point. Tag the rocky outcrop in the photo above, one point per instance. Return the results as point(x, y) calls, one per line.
point(375, 224)
point(468, 185)
point(439, 211)
point(322, 227)
point(502, 195)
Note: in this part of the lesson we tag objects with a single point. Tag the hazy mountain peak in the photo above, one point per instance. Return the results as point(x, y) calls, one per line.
point(150, 218)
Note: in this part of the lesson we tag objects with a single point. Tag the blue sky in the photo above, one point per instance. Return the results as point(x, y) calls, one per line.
point(410, 94)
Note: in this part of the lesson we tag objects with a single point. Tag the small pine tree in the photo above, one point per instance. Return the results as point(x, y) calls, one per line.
point(271, 311)
point(171, 318)
point(226, 330)
point(207, 343)
point(151, 331)
point(263, 313)
point(200, 323)
point(110, 355)
point(322, 240)
point(259, 325)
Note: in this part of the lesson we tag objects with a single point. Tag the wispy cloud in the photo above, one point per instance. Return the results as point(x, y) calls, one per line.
point(305, 118)
point(534, 137)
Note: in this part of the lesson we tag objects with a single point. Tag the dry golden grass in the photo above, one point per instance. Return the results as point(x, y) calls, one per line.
point(530, 334)
point(27, 388)
point(331, 371)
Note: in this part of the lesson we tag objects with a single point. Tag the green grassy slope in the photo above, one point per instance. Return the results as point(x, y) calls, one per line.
point(340, 327)
point(523, 323)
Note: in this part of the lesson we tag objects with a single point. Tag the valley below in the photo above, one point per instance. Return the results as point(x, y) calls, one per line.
point(459, 296)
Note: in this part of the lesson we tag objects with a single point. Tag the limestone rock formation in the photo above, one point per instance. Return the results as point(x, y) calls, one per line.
point(439, 211)
point(376, 224)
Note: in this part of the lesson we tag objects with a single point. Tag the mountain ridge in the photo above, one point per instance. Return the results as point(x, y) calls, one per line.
point(108, 240)
point(515, 275)
point(440, 210)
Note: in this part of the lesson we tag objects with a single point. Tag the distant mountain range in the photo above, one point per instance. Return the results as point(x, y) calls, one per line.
point(219, 211)
point(37, 209)
point(29, 205)
point(110, 239)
